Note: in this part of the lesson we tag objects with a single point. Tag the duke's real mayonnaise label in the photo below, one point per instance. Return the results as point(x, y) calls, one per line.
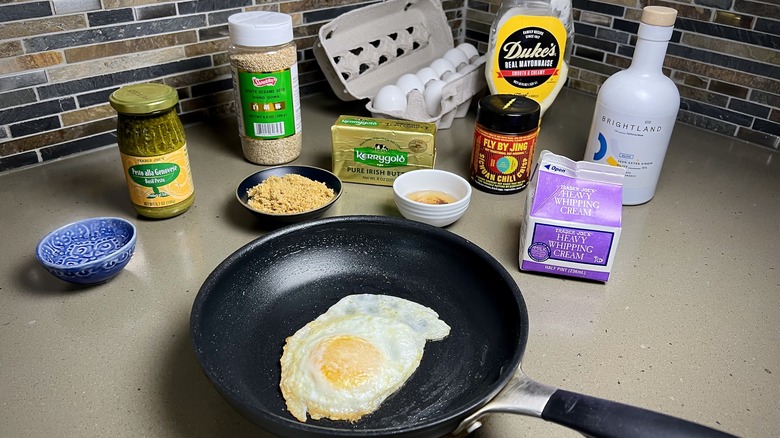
point(528, 57)
point(377, 151)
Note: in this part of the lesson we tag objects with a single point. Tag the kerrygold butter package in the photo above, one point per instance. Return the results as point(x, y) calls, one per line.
point(376, 151)
point(572, 218)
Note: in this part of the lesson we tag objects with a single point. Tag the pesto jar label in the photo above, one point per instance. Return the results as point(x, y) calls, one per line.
point(160, 181)
point(269, 103)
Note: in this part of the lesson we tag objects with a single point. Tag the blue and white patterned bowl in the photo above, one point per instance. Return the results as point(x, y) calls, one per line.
point(88, 251)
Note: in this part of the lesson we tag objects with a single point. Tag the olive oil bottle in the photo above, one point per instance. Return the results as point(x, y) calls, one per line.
point(636, 111)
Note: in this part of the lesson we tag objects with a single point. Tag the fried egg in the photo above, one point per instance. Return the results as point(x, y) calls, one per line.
point(347, 361)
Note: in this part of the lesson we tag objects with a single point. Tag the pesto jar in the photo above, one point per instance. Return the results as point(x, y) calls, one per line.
point(153, 150)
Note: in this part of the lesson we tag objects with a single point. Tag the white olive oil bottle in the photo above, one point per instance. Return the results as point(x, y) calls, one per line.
point(636, 110)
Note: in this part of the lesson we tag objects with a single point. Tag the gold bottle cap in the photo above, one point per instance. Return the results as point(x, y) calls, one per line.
point(143, 98)
point(659, 16)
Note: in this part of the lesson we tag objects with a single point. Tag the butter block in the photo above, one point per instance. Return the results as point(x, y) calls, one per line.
point(376, 151)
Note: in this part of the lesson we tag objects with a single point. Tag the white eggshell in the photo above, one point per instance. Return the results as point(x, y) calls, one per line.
point(441, 66)
point(390, 98)
point(426, 75)
point(452, 77)
point(432, 97)
point(408, 82)
point(469, 50)
point(456, 57)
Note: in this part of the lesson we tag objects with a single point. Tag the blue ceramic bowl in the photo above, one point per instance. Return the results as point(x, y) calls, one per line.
point(88, 251)
point(314, 173)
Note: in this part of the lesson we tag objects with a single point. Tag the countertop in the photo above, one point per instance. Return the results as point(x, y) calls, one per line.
point(688, 324)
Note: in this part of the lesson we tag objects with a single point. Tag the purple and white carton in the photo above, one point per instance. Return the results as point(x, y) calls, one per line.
point(572, 218)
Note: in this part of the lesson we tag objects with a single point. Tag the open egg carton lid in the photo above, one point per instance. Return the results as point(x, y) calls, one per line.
point(364, 49)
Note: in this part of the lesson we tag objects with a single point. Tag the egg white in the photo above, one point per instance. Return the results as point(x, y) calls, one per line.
point(347, 361)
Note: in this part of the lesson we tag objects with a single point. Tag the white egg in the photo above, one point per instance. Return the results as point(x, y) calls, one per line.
point(469, 50)
point(426, 75)
point(408, 82)
point(390, 98)
point(347, 361)
point(456, 57)
point(452, 77)
point(441, 66)
point(432, 97)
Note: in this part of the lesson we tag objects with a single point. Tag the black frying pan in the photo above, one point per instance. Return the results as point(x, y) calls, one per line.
point(273, 286)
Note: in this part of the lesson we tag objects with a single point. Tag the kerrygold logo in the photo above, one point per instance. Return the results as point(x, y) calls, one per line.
point(360, 122)
point(381, 158)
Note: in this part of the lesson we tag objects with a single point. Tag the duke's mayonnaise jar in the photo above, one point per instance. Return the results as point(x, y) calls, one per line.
point(529, 49)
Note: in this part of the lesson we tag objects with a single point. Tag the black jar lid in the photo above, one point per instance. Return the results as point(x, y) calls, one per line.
point(508, 113)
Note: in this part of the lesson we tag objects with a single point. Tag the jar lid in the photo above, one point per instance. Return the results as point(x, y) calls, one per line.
point(143, 98)
point(260, 28)
point(508, 113)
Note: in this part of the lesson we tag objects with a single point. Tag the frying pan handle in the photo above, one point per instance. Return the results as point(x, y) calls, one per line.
point(591, 416)
point(521, 395)
point(597, 417)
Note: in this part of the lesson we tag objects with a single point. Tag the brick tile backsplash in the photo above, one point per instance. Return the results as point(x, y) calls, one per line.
point(60, 60)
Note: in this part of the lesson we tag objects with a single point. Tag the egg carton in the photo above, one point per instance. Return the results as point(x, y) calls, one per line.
point(364, 49)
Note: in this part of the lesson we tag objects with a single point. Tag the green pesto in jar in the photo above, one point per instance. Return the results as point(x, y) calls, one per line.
point(153, 149)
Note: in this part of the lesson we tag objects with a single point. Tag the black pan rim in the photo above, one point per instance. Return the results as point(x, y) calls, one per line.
point(310, 428)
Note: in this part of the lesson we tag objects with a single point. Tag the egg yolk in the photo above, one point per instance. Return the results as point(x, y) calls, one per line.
point(347, 361)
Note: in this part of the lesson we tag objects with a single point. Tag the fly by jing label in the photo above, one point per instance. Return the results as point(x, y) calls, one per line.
point(269, 103)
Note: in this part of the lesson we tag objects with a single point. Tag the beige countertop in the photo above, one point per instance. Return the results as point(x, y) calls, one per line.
point(689, 323)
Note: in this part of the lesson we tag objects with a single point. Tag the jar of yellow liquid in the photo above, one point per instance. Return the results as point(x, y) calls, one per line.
point(153, 150)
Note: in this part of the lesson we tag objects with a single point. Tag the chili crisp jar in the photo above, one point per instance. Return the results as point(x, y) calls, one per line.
point(505, 135)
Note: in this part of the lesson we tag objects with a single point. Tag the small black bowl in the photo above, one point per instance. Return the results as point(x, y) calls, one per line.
point(313, 173)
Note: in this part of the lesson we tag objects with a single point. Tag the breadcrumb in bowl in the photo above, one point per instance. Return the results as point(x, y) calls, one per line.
point(288, 194)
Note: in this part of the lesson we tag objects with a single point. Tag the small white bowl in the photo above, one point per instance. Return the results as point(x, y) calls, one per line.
point(435, 182)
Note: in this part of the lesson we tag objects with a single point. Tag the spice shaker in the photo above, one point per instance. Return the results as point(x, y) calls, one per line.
point(505, 135)
point(153, 149)
point(263, 59)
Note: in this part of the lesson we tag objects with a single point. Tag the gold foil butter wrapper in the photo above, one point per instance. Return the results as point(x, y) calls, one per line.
point(376, 151)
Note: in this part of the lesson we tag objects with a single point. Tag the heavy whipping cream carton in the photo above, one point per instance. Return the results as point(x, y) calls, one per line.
point(572, 218)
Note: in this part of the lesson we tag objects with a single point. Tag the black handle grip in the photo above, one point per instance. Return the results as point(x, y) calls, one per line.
point(597, 417)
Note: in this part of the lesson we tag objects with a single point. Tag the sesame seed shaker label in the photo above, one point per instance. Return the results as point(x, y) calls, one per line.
point(528, 56)
point(269, 103)
point(159, 181)
point(500, 162)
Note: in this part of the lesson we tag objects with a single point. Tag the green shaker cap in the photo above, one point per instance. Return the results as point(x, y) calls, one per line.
point(143, 98)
